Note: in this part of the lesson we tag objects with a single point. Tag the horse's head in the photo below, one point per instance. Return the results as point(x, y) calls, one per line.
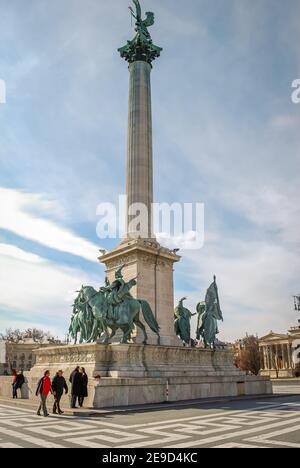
point(201, 307)
point(87, 292)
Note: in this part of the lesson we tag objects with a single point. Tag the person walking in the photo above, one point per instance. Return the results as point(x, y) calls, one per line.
point(83, 387)
point(75, 379)
point(59, 385)
point(20, 380)
point(14, 378)
point(43, 390)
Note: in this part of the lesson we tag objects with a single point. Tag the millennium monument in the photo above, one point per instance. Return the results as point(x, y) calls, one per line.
point(148, 362)
point(141, 255)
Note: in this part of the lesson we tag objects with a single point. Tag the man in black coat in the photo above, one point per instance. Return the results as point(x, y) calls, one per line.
point(59, 385)
point(75, 379)
point(20, 380)
point(83, 386)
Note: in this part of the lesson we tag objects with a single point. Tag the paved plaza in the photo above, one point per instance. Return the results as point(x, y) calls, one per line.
point(260, 423)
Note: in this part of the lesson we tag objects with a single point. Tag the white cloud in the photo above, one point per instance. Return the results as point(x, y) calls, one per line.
point(36, 292)
point(12, 251)
point(256, 282)
point(19, 215)
point(285, 122)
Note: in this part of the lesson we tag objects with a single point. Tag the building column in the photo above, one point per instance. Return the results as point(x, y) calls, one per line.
point(277, 362)
point(269, 358)
point(265, 358)
point(290, 356)
point(272, 357)
point(283, 357)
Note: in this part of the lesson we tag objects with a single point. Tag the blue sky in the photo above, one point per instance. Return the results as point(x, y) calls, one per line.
point(225, 133)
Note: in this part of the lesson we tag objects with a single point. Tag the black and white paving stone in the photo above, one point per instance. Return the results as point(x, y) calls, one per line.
point(258, 423)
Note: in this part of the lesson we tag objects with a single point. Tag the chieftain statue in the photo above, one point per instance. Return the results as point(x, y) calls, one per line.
point(209, 313)
point(182, 324)
point(99, 314)
point(141, 47)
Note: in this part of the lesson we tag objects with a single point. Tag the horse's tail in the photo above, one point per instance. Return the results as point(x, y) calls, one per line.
point(149, 317)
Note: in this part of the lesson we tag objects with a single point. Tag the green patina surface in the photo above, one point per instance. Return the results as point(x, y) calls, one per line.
point(100, 314)
point(209, 313)
point(141, 47)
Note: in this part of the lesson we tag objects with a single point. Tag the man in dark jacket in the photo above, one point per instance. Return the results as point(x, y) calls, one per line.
point(59, 385)
point(75, 379)
point(19, 382)
point(83, 386)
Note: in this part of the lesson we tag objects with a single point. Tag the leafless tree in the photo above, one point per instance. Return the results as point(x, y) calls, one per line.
point(249, 356)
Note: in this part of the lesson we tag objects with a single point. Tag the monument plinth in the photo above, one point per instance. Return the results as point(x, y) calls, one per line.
point(138, 374)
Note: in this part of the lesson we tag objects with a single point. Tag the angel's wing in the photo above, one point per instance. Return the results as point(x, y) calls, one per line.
point(138, 9)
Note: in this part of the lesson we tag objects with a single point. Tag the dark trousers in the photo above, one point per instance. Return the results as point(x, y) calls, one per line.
point(14, 389)
point(80, 401)
point(73, 401)
point(56, 406)
point(43, 405)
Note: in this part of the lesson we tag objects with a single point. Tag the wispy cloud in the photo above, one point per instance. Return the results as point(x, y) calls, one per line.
point(225, 133)
point(12, 251)
point(36, 291)
point(285, 121)
point(18, 215)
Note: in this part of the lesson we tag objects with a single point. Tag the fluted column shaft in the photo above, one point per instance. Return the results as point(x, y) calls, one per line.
point(139, 173)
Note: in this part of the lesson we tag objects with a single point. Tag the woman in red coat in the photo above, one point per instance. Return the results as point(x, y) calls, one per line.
point(43, 390)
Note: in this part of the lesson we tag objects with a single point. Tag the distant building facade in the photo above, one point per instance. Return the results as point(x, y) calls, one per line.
point(19, 356)
point(2, 357)
point(280, 354)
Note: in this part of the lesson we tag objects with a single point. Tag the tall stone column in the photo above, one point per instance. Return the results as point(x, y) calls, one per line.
point(142, 257)
point(139, 178)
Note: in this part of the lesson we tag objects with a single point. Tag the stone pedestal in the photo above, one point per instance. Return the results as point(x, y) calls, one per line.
point(138, 374)
point(153, 265)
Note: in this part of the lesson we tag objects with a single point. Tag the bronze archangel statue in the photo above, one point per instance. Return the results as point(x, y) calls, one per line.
point(141, 47)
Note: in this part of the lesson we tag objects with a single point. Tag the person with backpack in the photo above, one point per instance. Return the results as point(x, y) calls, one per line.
point(43, 390)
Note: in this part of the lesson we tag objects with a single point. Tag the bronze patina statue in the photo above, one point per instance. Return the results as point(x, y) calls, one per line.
point(209, 312)
point(141, 47)
point(99, 314)
point(182, 324)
